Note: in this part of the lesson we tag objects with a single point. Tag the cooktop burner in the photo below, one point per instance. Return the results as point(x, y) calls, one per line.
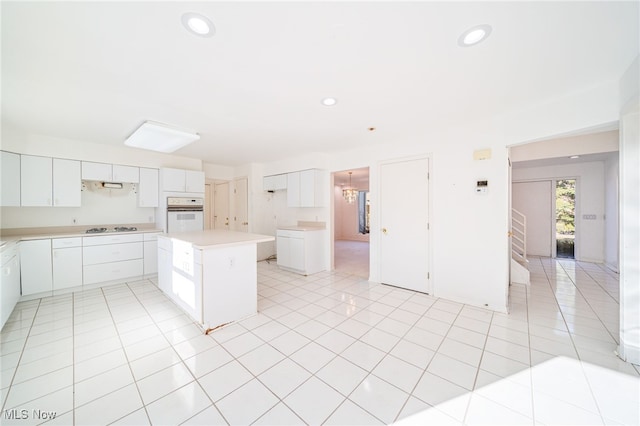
point(95, 230)
point(114, 229)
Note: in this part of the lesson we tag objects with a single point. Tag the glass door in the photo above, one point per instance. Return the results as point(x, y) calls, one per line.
point(565, 218)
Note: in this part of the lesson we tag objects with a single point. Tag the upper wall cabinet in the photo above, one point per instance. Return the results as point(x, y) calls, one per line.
point(306, 188)
point(97, 171)
point(9, 179)
point(104, 172)
point(178, 180)
point(48, 181)
point(148, 188)
point(36, 180)
point(274, 182)
point(127, 174)
point(67, 184)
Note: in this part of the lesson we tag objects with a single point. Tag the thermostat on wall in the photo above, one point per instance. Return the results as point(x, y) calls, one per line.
point(482, 187)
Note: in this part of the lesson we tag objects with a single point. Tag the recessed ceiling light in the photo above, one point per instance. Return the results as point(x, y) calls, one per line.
point(573, 157)
point(474, 35)
point(329, 101)
point(198, 24)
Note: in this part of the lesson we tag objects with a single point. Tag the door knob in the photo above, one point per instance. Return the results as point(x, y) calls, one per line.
point(384, 231)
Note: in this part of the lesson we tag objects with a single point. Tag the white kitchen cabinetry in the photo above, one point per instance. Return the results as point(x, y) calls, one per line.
point(102, 172)
point(9, 281)
point(9, 179)
point(67, 183)
point(36, 180)
point(150, 265)
point(274, 182)
point(35, 268)
point(179, 180)
point(67, 262)
point(306, 188)
point(112, 257)
point(301, 251)
point(148, 188)
point(129, 174)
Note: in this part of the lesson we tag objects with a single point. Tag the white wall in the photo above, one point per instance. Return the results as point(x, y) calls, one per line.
point(611, 200)
point(590, 199)
point(565, 147)
point(630, 214)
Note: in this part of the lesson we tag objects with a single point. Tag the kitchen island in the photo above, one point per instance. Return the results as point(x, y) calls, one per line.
point(211, 275)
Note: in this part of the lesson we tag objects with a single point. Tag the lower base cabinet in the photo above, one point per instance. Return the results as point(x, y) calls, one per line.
point(301, 251)
point(35, 267)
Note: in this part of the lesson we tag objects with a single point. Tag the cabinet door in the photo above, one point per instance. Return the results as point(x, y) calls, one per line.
point(67, 183)
point(194, 181)
point(35, 266)
point(127, 174)
point(293, 189)
point(9, 179)
point(36, 180)
point(150, 265)
point(297, 259)
point(307, 188)
point(97, 171)
point(268, 183)
point(67, 267)
point(173, 180)
point(10, 288)
point(283, 251)
point(148, 188)
point(280, 182)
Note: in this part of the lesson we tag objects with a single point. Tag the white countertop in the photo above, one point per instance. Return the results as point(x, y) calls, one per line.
point(45, 235)
point(217, 238)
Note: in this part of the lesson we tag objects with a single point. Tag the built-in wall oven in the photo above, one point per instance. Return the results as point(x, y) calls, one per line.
point(185, 214)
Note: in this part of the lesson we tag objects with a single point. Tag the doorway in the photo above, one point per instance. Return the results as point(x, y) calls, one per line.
point(221, 206)
point(241, 205)
point(351, 222)
point(565, 218)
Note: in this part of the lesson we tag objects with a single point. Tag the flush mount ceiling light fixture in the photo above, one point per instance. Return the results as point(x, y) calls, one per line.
point(160, 137)
point(198, 24)
point(350, 193)
point(329, 101)
point(574, 157)
point(474, 35)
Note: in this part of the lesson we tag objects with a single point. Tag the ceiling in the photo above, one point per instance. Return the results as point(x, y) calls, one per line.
point(94, 71)
point(558, 161)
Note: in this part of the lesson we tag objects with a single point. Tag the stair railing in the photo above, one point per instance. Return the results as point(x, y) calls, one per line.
point(518, 236)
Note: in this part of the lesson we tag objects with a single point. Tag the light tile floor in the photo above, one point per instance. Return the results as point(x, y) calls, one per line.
point(351, 257)
point(325, 349)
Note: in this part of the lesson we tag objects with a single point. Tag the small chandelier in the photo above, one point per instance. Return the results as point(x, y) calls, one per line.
point(350, 194)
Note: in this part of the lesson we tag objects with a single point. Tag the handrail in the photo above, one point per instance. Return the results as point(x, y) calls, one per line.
point(518, 235)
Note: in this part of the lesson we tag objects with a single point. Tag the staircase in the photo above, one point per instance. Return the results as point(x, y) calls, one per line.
point(519, 262)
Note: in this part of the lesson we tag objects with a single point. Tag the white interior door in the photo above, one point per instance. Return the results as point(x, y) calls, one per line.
point(404, 218)
point(534, 200)
point(221, 206)
point(241, 216)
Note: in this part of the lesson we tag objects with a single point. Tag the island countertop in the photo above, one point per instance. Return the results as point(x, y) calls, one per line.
point(215, 238)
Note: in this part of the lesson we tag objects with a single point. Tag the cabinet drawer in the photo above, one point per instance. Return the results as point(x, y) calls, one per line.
point(111, 253)
point(112, 271)
point(111, 239)
point(151, 236)
point(66, 242)
point(290, 233)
